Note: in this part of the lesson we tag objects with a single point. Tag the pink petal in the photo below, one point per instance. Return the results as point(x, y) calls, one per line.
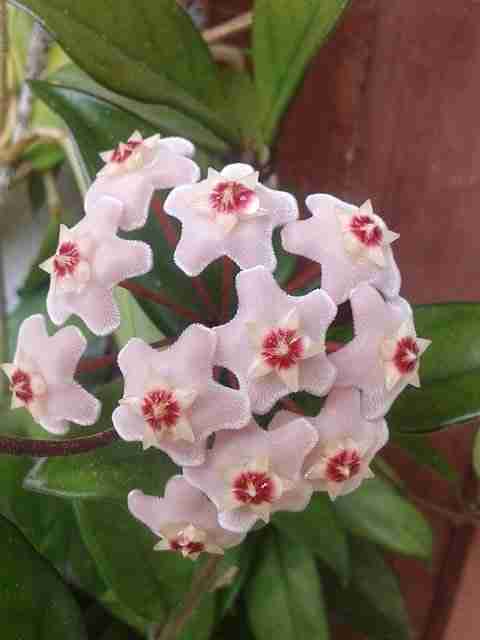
point(60, 360)
point(55, 426)
point(184, 453)
point(289, 445)
point(282, 205)
point(32, 334)
point(198, 246)
point(179, 146)
point(219, 408)
point(135, 360)
point(296, 499)
point(129, 425)
point(95, 306)
point(71, 402)
point(117, 260)
point(250, 244)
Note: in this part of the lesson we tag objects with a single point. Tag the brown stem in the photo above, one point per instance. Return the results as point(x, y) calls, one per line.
point(142, 292)
point(49, 448)
point(202, 582)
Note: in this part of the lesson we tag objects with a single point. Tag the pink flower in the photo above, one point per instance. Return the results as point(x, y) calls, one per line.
point(351, 243)
point(275, 344)
point(347, 443)
point(252, 473)
point(135, 169)
point(41, 377)
point(185, 520)
point(228, 214)
point(171, 401)
point(90, 260)
point(384, 356)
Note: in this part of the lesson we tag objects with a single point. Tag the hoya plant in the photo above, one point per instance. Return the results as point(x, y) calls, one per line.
point(192, 435)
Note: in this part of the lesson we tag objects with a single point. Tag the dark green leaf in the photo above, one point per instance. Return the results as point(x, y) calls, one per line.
point(44, 156)
point(147, 50)
point(476, 454)
point(286, 262)
point(108, 472)
point(378, 512)
point(319, 529)
point(284, 594)
point(286, 35)
point(426, 455)
point(372, 603)
point(34, 603)
point(37, 277)
point(241, 558)
point(243, 104)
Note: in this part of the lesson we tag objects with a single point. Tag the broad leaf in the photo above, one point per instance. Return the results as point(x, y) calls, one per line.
point(319, 529)
point(286, 35)
point(376, 511)
point(108, 472)
point(148, 51)
point(372, 603)
point(426, 455)
point(34, 603)
point(284, 594)
point(135, 323)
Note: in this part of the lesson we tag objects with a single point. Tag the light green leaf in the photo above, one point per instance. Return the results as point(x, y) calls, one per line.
point(376, 511)
point(286, 35)
point(319, 529)
point(372, 603)
point(149, 51)
point(135, 322)
point(34, 603)
point(284, 594)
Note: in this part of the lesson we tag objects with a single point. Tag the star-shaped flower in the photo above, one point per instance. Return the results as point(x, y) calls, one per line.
point(351, 243)
point(41, 377)
point(171, 400)
point(347, 443)
point(185, 520)
point(133, 170)
point(90, 260)
point(275, 344)
point(252, 473)
point(384, 356)
point(228, 214)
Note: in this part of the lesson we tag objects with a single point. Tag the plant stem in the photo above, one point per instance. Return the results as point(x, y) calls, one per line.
point(3, 63)
point(202, 582)
point(47, 448)
point(235, 25)
point(142, 292)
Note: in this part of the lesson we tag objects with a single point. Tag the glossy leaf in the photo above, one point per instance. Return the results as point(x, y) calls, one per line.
point(284, 594)
point(320, 530)
point(418, 448)
point(34, 603)
point(135, 323)
point(372, 603)
point(376, 511)
point(286, 35)
point(166, 62)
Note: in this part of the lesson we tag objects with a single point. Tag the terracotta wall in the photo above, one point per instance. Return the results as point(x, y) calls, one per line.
point(390, 110)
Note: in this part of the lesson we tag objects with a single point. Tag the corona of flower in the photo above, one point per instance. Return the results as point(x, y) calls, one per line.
point(171, 400)
point(185, 520)
point(347, 443)
point(384, 357)
point(351, 243)
point(89, 261)
point(251, 473)
point(41, 377)
point(134, 169)
point(228, 214)
point(276, 343)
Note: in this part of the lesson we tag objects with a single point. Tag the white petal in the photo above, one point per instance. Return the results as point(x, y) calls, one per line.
point(289, 377)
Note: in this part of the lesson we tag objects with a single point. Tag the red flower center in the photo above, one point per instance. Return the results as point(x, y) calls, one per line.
point(124, 151)
point(21, 387)
point(253, 487)
point(184, 545)
point(66, 259)
point(406, 355)
point(343, 465)
point(161, 409)
point(231, 197)
point(282, 348)
point(366, 230)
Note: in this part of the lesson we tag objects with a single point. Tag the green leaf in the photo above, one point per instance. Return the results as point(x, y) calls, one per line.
point(372, 603)
point(34, 603)
point(376, 511)
point(319, 529)
point(149, 583)
point(284, 595)
point(108, 472)
point(146, 50)
point(426, 455)
point(167, 121)
point(37, 277)
point(286, 35)
point(241, 558)
point(44, 156)
point(135, 323)
point(450, 370)
point(476, 454)
point(244, 107)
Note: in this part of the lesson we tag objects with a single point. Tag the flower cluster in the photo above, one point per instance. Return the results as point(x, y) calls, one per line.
point(234, 473)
